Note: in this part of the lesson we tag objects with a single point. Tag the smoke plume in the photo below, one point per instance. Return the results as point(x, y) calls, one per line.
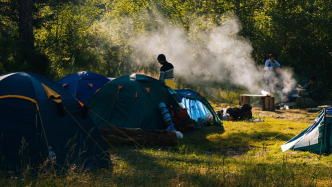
point(214, 54)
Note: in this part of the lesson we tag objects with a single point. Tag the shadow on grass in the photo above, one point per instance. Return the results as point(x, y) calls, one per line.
point(137, 168)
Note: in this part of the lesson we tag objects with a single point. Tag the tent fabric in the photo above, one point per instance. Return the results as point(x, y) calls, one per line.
point(131, 101)
point(83, 85)
point(197, 105)
point(195, 108)
point(316, 138)
point(31, 131)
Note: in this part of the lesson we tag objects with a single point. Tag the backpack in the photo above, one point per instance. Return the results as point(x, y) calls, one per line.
point(181, 119)
point(240, 113)
point(245, 112)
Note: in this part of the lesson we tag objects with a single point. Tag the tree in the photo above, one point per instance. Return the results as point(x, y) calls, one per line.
point(25, 24)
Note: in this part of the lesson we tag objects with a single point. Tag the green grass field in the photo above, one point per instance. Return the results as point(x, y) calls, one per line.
point(247, 154)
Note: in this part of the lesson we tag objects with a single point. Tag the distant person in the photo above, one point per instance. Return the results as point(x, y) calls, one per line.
point(166, 70)
point(272, 71)
point(312, 94)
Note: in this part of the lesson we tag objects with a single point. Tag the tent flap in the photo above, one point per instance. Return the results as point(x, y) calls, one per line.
point(316, 138)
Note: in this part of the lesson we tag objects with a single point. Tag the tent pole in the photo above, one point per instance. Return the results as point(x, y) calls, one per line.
point(327, 133)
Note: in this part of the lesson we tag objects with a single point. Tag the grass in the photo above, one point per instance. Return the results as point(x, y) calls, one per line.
point(247, 154)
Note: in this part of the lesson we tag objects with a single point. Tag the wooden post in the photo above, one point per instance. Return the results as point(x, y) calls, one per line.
point(244, 100)
point(268, 103)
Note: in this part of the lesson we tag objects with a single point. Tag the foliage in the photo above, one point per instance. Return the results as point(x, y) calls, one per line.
point(96, 35)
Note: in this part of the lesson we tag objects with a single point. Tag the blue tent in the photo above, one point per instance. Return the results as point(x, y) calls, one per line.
point(40, 121)
point(197, 106)
point(83, 85)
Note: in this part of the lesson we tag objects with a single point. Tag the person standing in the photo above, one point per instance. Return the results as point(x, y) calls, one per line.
point(166, 70)
point(271, 68)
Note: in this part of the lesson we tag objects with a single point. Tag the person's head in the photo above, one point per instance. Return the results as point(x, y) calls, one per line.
point(313, 80)
point(161, 58)
point(271, 57)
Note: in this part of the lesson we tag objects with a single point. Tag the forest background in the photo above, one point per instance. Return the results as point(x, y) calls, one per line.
point(213, 45)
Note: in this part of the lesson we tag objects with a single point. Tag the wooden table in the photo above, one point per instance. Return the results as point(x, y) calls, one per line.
point(267, 101)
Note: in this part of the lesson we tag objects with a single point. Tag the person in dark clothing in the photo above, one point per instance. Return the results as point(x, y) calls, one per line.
point(314, 89)
point(312, 94)
point(166, 70)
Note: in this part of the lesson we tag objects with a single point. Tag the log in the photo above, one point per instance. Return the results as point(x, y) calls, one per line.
point(131, 136)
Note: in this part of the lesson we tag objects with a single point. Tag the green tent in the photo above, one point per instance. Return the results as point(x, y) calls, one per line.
point(131, 101)
point(317, 138)
point(42, 124)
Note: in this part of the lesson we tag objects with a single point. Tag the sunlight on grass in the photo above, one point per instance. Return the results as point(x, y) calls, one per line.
point(247, 154)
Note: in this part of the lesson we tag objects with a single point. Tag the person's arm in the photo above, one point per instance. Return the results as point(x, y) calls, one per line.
point(161, 76)
point(306, 86)
point(277, 63)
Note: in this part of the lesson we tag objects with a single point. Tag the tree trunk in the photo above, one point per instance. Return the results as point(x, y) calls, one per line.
point(25, 23)
point(237, 7)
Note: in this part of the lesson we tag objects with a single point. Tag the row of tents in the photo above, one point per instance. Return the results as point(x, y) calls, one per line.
point(42, 121)
point(131, 101)
point(120, 108)
point(56, 123)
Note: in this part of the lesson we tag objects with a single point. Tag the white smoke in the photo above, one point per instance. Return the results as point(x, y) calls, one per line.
point(214, 54)
point(219, 54)
point(288, 82)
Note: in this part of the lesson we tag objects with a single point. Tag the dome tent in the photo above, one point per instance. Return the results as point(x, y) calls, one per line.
point(131, 101)
point(197, 105)
point(39, 121)
point(83, 85)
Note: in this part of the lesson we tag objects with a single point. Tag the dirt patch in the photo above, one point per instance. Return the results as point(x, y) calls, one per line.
point(300, 115)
